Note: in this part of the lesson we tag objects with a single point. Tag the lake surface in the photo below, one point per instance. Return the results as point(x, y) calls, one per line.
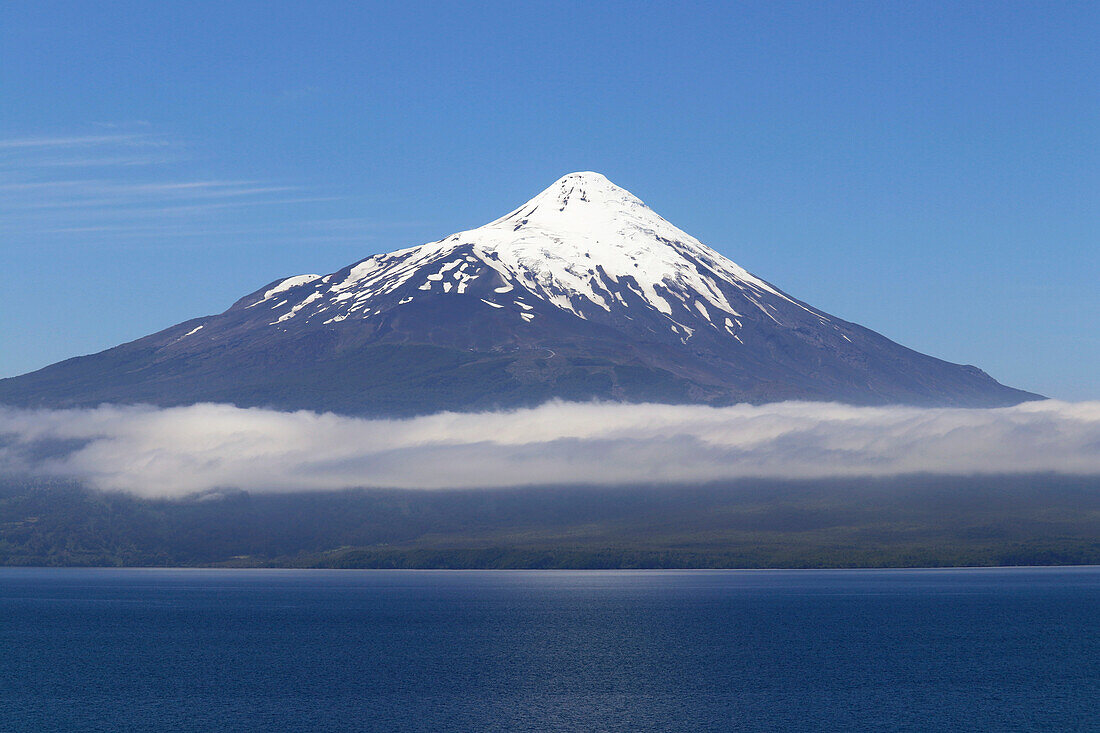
point(919, 650)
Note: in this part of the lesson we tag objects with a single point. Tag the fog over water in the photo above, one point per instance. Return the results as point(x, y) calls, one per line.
point(178, 451)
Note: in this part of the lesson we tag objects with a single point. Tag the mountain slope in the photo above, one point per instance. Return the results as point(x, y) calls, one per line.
point(583, 292)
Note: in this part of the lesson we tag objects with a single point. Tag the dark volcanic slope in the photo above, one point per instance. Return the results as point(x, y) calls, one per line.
point(583, 292)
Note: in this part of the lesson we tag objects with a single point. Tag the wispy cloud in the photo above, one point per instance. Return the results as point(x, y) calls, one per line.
point(134, 184)
point(99, 187)
point(121, 124)
point(173, 194)
point(82, 141)
point(104, 161)
point(178, 451)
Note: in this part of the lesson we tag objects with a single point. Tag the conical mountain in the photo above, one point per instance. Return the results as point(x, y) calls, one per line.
point(583, 292)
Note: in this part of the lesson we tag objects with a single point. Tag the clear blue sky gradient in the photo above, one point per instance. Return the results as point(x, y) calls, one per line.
point(929, 170)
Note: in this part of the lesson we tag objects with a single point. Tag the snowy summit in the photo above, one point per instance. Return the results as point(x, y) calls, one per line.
point(582, 244)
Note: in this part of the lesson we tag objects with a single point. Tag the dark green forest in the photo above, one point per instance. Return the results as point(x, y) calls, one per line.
point(915, 521)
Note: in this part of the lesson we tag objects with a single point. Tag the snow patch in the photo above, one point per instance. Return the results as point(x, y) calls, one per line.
point(316, 295)
point(290, 282)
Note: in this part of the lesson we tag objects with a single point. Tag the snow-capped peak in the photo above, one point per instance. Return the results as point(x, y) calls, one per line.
point(581, 244)
point(586, 191)
point(583, 234)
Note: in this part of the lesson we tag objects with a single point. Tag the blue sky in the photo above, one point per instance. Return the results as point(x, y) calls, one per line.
point(931, 171)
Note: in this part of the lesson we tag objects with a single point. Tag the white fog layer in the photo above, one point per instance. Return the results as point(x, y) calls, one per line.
point(178, 451)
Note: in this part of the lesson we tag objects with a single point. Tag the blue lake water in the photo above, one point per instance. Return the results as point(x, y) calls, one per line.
point(227, 650)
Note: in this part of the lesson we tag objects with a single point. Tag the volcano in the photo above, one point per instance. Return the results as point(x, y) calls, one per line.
point(581, 293)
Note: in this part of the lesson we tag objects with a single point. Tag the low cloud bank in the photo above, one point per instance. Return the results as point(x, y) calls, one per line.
point(179, 451)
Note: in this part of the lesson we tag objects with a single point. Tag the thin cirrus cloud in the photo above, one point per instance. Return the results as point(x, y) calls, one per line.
point(80, 141)
point(121, 183)
point(176, 452)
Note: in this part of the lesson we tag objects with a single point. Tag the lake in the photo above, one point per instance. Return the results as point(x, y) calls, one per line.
point(234, 650)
